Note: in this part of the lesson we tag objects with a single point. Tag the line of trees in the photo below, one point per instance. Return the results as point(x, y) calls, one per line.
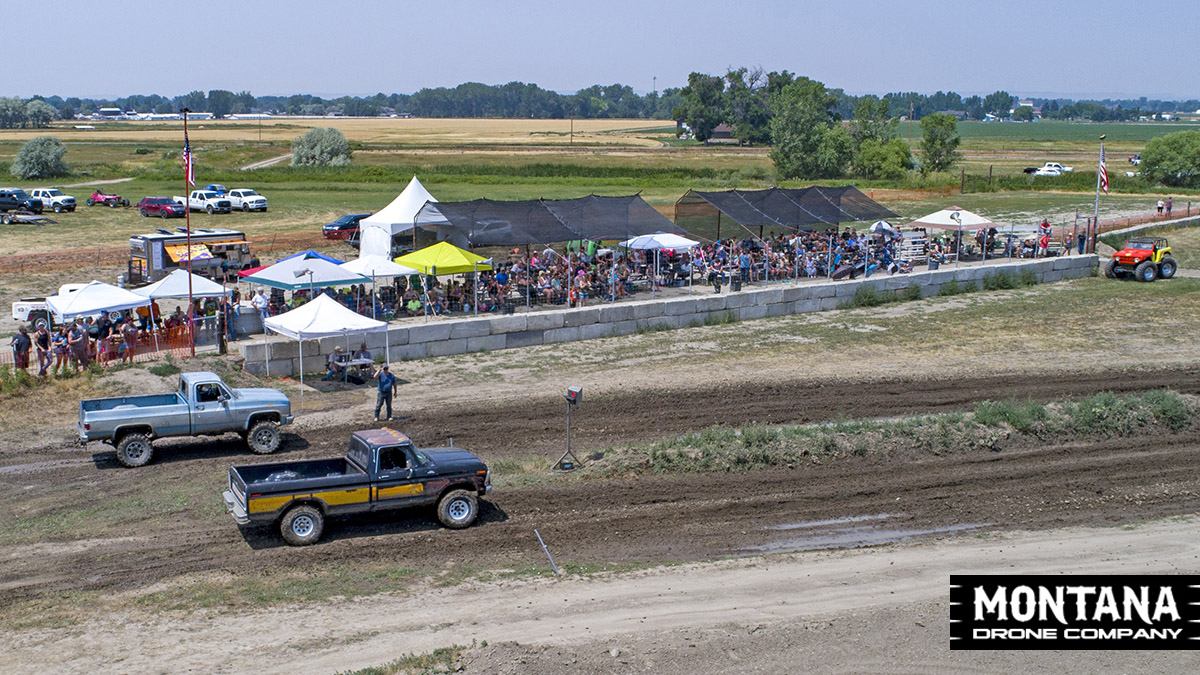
point(741, 91)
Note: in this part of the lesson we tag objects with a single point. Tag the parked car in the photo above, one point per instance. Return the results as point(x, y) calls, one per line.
point(1046, 171)
point(53, 198)
point(205, 200)
point(217, 188)
point(343, 227)
point(163, 207)
point(16, 199)
point(203, 405)
point(246, 200)
point(100, 197)
point(1059, 167)
point(382, 470)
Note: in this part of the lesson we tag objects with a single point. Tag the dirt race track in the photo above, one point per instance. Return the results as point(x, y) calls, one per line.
point(653, 519)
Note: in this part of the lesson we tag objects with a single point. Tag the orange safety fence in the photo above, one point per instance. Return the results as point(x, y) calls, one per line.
point(112, 350)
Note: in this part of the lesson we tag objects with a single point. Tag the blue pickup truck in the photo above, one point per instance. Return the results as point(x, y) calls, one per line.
point(382, 470)
point(202, 406)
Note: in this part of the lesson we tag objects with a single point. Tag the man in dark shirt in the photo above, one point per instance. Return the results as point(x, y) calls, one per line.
point(42, 339)
point(21, 345)
point(387, 389)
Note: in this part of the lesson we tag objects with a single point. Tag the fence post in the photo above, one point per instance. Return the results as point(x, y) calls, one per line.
point(962, 182)
point(989, 177)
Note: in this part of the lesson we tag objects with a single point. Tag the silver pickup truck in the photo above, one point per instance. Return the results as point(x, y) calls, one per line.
point(203, 406)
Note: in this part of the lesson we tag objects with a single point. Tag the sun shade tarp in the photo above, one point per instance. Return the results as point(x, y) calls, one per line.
point(376, 231)
point(294, 274)
point(444, 258)
point(792, 208)
point(486, 222)
point(954, 218)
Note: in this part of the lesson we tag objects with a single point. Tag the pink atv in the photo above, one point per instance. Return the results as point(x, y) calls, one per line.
point(98, 197)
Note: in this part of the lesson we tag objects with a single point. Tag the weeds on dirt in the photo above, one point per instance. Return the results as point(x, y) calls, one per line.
point(728, 449)
point(166, 367)
point(440, 660)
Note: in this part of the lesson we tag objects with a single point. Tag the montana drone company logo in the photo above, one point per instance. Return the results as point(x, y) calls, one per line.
point(1074, 612)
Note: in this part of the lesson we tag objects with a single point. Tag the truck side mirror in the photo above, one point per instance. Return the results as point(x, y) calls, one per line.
point(223, 398)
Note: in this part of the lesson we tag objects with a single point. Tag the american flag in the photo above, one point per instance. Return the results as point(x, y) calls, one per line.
point(1103, 171)
point(191, 173)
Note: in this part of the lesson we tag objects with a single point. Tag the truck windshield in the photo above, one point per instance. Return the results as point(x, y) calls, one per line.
point(1141, 245)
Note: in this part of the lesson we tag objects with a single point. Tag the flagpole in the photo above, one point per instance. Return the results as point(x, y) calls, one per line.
point(187, 216)
point(1095, 229)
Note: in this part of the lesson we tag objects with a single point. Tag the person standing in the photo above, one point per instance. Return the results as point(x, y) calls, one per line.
point(21, 345)
point(263, 306)
point(129, 336)
point(41, 339)
point(1082, 242)
point(387, 389)
point(1169, 204)
point(1160, 206)
point(61, 349)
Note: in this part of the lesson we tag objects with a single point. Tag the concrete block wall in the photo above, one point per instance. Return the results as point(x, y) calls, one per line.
point(469, 334)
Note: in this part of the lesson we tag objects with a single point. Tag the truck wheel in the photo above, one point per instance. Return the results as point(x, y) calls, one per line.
point(1146, 271)
point(209, 208)
point(58, 208)
point(91, 202)
point(263, 437)
point(38, 319)
point(245, 207)
point(1110, 270)
point(1166, 268)
point(134, 450)
point(162, 214)
point(125, 203)
point(143, 212)
point(302, 525)
point(458, 509)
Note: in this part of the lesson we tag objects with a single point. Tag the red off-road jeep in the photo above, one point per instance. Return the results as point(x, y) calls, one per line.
point(1146, 258)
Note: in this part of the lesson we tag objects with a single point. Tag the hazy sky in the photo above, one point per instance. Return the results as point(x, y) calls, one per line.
point(1099, 48)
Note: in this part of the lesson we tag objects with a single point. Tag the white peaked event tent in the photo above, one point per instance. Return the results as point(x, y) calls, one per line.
point(376, 231)
point(95, 298)
point(953, 218)
point(299, 273)
point(323, 317)
point(175, 285)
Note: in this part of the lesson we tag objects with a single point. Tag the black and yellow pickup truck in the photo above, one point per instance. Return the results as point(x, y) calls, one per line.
point(381, 470)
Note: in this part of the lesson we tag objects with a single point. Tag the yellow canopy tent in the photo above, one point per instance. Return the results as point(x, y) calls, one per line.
point(444, 258)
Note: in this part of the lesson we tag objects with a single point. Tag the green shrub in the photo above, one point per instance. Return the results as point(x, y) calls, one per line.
point(909, 294)
point(1020, 416)
point(953, 287)
point(321, 147)
point(998, 281)
point(867, 296)
point(1026, 279)
point(41, 157)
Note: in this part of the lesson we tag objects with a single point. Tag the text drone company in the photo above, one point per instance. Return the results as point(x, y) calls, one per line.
point(1074, 612)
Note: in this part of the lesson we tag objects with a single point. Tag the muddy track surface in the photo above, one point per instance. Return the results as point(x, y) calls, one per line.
point(643, 520)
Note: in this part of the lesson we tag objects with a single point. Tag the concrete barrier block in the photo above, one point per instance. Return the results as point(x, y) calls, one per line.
point(737, 300)
point(929, 290)
point(780, 308)
point(613, 313)
point(284, 349)
point(752, 312)
point(794, 293)
point(526, 338)
point(595, 330)
point(281, 368)
point(941, 276)
point(1063, 263)
point(711, 303)
point(561, 335)
point(314, 348)
point(645, 310)
point(897, 283)
point(581, 317)
point(514, 323)
point(769, 296)
point(543, 320)
point(429, 332)
point(409, 352)
point(654, 322)
point(831, 303)
point(486, 343)
point(846, 289)
point(255, 351)
point(1052, 276)
point(825, 289)
point(398, 336)
point(681, 307)
point(624, 327)
point(807, 306)
point(447, 347)
point(470, 328)
point(374, 340)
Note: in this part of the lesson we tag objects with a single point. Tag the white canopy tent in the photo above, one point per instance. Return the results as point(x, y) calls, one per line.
point(955, 218)
point(323, 317)
point(298, 273)
point(175, 285)
point(95, 298)
point(657, 242)
point(376, 231)
point(376, 266)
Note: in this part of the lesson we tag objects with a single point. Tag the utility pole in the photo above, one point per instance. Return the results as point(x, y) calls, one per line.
point(187, 215)
point(911, 111)
point(656, 85)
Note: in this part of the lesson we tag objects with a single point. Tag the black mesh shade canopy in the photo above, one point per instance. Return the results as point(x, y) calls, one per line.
point(792, 208)
point(485, 222)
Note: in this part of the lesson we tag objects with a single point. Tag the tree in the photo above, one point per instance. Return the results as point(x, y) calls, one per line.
point(243, 102)
point(703, 104)
point(998, 103)
point(220, 102)
point(1023, 114)
point(939, 142)
point(806, 137)
point(873, 121)
point(12, 112)
point(321, 147)
point(1173, 159)
point(41, 157)
point(748, 105)
point(194, 101)
point(889, 161)
point(39, 114)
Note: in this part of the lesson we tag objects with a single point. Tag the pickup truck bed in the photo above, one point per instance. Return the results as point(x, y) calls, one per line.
point(125, 402)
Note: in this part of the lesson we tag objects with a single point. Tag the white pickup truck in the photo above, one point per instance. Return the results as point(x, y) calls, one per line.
point(205, 200)
point(35, 311)
point(53, 198)
point(246, 200)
